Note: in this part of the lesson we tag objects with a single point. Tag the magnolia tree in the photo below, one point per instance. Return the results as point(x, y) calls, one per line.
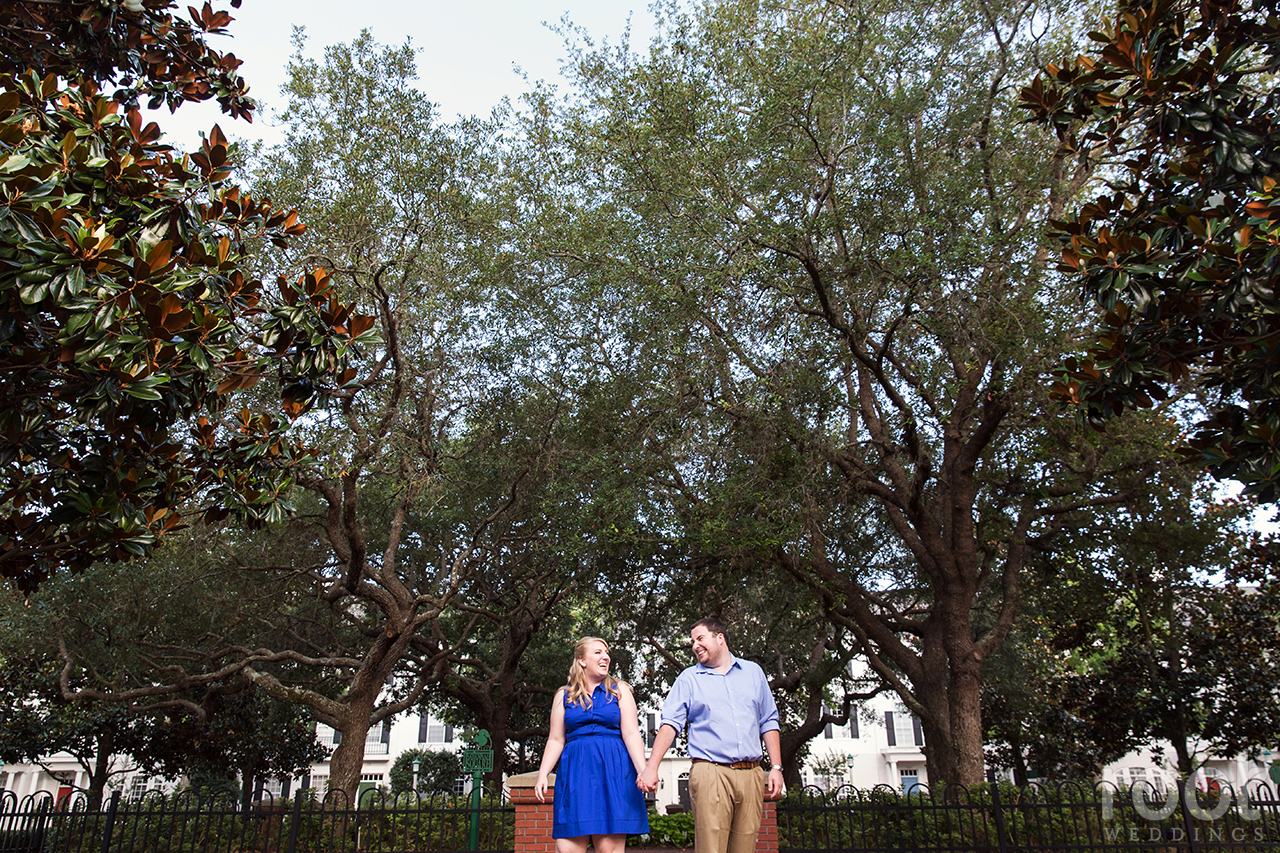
point(1179, 257)
point(131, 317)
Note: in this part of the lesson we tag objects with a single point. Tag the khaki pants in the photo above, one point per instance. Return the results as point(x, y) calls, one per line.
point(727, 805)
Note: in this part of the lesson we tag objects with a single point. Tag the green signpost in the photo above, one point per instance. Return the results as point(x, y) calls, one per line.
point(477, 759)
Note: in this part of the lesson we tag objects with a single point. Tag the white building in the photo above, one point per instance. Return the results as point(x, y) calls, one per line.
point(61, 772)
point(881, 745)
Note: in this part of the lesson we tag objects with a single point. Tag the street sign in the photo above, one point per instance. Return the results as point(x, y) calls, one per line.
point(477, 756)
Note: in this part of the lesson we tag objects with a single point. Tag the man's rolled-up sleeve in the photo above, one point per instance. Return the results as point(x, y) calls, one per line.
point(675, 709)
point(768, 708)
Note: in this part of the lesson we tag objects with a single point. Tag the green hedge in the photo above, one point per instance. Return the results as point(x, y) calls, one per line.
point(667, 831)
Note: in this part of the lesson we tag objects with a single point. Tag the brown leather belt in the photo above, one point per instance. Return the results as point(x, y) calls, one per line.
point(736, 765)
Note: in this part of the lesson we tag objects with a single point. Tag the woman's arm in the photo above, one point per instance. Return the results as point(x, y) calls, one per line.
point(631, 726)
point(555, 745)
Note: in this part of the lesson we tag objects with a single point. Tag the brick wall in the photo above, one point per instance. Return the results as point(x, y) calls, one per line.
point(533, 819)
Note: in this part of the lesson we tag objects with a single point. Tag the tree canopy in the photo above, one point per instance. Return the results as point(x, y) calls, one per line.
point(142, 49)
point(131, 315)
point(755, 324)
point(806, 240)
point(1181, 254)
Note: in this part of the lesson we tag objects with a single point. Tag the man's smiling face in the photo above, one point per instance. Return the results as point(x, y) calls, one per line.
point(708, 647)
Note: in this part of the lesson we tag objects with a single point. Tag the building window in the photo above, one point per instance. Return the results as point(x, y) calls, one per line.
point(848, 730)
point(433, 731)
point(319, 783)
point(139, 786)
point(378, 740)
point(903, 729)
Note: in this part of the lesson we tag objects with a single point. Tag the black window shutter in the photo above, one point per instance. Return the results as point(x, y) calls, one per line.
point(918, 730)
point(422, 728)
point(888, 728)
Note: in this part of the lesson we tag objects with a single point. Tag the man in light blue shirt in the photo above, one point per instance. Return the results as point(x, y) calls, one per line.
point(727, 705)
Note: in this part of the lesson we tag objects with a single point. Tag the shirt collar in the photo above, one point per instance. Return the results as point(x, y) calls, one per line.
point(703, 668)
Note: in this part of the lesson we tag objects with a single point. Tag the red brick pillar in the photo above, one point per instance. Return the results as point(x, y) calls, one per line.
point(767, 840)
point(533, 819)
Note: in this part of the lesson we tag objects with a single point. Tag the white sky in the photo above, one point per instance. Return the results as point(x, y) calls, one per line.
point(467, 48)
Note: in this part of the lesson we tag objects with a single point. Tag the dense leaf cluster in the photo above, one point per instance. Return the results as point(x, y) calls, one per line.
point(127, 313)
point(1182, 253)
point(140, 47)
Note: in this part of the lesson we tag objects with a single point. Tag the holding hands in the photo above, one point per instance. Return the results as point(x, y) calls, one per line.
point(647, 781)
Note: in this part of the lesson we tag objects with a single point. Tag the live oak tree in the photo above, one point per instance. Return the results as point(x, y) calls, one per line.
point(409, 498)
point(131, 315)
point(38, 722)
point(821, 223)
point(115, 623)
point(1179, 256)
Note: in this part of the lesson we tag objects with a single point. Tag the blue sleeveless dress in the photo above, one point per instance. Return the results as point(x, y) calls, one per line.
point(595, 790)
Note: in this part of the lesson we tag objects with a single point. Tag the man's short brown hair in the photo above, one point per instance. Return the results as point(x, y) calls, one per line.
point(711, 623)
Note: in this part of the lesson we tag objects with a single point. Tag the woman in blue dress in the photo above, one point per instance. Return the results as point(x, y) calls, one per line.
point(595, 735)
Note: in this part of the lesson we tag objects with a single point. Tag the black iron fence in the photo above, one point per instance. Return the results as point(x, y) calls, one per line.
point(1005, 819)
point(185, 823)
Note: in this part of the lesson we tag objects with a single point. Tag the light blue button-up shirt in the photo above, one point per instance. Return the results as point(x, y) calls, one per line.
point(727, 714)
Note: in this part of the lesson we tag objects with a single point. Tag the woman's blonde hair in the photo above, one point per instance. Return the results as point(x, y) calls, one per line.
point(578, 693)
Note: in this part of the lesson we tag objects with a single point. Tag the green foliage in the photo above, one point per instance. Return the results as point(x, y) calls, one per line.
point(667, 831)
point(1145, 628)
point(1180, 256)
point(438, 772)
point(243, 732)
point(129, 322)
point(144, 49)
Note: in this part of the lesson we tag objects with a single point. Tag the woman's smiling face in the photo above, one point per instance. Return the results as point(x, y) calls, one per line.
point(595, 661)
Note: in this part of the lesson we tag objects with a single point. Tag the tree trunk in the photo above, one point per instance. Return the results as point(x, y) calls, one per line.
point(101, 769)
point(347, 762)
point(792, 743)
point(247, 778)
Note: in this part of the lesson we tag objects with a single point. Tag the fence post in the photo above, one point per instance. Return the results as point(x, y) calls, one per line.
point(997, 808)
point(1187, 804)
point(35, 827)
point(294, 820)
point(111, 821)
